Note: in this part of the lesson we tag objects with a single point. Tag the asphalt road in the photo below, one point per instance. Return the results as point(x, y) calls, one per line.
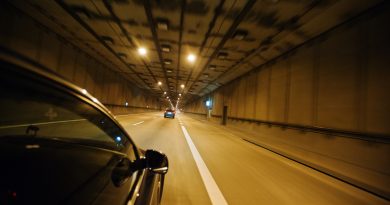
point(243, 173)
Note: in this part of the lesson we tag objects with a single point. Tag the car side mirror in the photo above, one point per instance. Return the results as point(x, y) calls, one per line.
point(156, 161)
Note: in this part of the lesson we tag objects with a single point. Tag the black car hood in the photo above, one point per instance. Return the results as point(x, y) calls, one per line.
point(44, 171)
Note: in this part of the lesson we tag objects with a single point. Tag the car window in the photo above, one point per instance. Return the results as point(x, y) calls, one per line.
point(32, 109)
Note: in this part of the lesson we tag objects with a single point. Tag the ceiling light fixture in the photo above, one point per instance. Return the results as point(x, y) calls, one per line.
point(163, 24)
point(240, 34)
point(159, 83)
point(142, 51)
point(122, 55)
point(222, 55)
point(191, 58)
point(166, 48)
point(167, 62)
point(182, 86)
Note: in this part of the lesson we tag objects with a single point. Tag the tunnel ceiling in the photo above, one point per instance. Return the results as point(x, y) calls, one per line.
point(228, 37)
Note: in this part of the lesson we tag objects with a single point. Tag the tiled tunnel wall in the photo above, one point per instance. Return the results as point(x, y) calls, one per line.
point(340, 80)
point(25, 36)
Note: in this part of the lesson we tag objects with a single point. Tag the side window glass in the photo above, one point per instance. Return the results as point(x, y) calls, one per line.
point(30, 109)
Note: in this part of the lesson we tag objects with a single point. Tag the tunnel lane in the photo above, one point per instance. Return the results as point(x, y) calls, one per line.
point(245, 173)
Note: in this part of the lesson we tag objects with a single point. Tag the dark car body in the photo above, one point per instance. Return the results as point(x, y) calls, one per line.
point(169, 113)
point(64, 160)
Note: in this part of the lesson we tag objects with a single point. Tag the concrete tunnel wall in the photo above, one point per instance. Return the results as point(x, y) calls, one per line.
point(339, 80)
point(27, 37)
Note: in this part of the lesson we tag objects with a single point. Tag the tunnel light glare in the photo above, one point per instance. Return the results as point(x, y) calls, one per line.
point(159, 83)
point(126, 104)
point(191, 58)
point(182, 85)
point(179, 94)
point(208, 103)
point(118, 139)
point(142, 51)
point(165, 93)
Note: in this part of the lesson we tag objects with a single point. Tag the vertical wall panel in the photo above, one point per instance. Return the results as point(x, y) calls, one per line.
point(235, 99)
point(241, 98)
point(278, 91)
point(98, 80)
point(250, 95)
point(262, 93)
point(378, 75)
point(49, 50)
point(228, 91)
point(80, 71)
point(67, 62)
point(338, 70)
point(25, 36)
point(89, 74)
point(7, 18)
point(301, 86)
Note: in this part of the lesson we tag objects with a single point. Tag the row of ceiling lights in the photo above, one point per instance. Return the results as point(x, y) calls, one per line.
point(163, 24)
point(190, 58)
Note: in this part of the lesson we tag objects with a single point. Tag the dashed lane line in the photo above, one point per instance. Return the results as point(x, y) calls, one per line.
point(135, 124)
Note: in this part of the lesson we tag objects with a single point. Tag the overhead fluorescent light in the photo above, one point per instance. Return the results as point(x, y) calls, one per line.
point(240, 34)
point(167, 62)
point(222, 55)
point(122, 55)
point(169, 70)
point(166, 48)
point(162, 24)
point(107, 39)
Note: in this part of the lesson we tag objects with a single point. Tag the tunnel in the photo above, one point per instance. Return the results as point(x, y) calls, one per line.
point(251, 101)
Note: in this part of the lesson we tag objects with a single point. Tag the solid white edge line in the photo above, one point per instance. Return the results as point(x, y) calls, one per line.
point(138, 123)
point(212, 189)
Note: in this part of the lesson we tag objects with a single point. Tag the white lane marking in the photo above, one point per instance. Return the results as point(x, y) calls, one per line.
point(124, 115)
point(138, 123)
point(41, 123)
point(215, 194)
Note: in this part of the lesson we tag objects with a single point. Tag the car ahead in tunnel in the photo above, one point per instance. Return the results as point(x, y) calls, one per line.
point(59, 145)
point(169, 113)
